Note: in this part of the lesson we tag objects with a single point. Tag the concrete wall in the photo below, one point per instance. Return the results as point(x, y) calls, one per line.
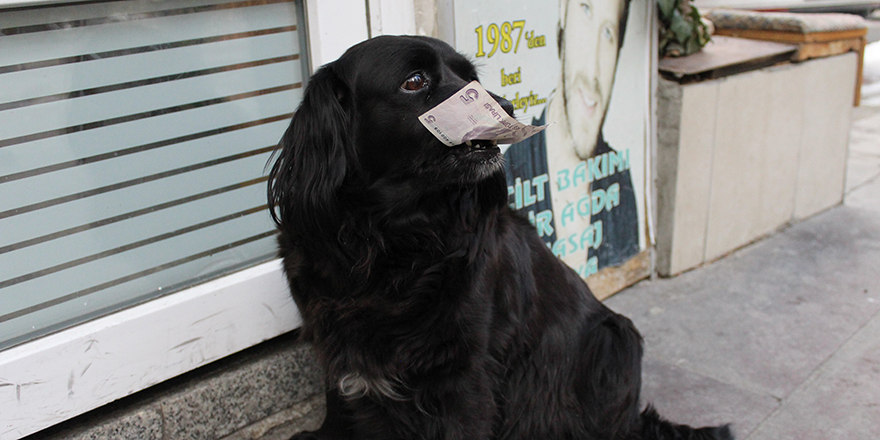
point(741, 156)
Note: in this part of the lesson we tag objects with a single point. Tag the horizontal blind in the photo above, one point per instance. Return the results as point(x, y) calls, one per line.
point(134, 137)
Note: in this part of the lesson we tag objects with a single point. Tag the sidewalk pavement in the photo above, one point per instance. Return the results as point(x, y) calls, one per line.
point(780, 338)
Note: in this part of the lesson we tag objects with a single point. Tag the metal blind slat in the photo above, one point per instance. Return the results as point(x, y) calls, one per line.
point(113, 170)
point(16, 48)
point(63, 13)
point(152, 131)
point(132, 197)
point(38, 290)
point(144, 101)
point(18, 263)
point(42, 252)
point(86, 79)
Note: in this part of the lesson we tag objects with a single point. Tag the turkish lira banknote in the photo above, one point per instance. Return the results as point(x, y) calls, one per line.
point(471, 113)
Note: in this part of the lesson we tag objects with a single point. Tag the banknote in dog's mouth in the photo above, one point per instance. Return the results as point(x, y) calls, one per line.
point(472, 117)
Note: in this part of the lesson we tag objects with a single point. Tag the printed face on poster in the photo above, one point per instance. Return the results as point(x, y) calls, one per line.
point(583, 67)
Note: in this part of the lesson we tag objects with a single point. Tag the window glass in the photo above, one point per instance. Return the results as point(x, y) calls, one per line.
point(134, 138)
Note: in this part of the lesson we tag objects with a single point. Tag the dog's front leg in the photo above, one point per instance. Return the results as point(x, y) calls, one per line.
point(337, 423)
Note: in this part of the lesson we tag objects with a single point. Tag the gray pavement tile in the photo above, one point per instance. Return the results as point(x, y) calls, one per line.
point(865, 197)
point(861, 169)
point(840, 401)
point(686, 397)
point(865, 129)
point(767, 316)
point(863, 162)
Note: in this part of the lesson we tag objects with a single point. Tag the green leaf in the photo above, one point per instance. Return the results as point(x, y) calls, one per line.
point(680, 27)
point(694, 15)
point(682, 30)
point(692, 46)
point(666, 7)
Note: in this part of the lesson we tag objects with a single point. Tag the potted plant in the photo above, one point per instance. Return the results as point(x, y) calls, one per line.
point(682, 30)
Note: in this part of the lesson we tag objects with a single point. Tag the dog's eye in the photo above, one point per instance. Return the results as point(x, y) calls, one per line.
point(415, 82)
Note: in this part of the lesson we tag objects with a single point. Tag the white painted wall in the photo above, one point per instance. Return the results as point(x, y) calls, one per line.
point(334, 26)
point(392, 17)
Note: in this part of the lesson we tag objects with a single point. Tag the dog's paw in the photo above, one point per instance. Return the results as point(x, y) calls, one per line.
point(305, 435)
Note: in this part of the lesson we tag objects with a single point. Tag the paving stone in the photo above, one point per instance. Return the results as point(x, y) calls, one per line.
point(840, 401)
point(765, 317)
point(686, 397)
point(863, 163)
point(866, 196)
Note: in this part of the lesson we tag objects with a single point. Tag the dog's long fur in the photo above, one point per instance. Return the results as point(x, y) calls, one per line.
point(437, 312)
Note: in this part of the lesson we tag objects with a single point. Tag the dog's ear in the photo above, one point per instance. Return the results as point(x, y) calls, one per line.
point(313, 158)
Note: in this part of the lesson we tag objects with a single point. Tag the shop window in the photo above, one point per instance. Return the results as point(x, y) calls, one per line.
point(134, 137)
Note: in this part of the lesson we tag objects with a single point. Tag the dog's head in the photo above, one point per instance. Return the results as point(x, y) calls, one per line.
point(357, 128)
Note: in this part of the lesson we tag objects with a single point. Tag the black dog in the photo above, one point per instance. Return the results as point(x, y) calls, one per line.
point(437, 312)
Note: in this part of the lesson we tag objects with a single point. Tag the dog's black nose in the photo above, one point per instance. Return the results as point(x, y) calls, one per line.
point(505, 104)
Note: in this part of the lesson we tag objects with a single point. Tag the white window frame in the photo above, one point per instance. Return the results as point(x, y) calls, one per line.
point(68, 373)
